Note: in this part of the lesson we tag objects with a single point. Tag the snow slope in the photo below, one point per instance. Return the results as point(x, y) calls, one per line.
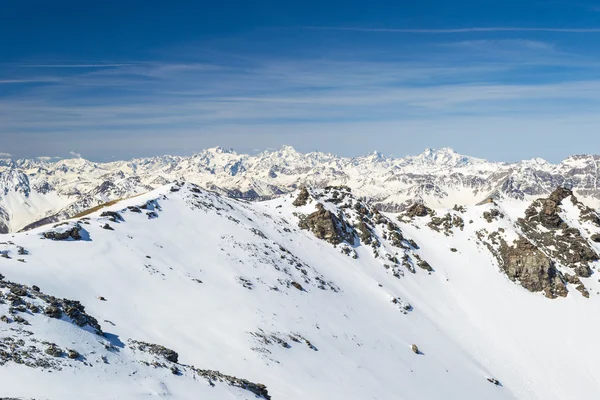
point(239, 288)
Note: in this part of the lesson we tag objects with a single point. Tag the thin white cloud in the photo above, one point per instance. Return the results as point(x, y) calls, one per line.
point(458, 30)
point(76, 155)
point(91, 65)
point(5, 155)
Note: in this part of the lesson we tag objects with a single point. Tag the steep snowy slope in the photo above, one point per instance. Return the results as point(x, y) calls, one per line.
point(314, 294)
point(33, 190)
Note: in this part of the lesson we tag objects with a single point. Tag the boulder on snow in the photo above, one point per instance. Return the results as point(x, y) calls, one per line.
point(415, 349)
point(494, 381)
point(69, 232)
point(112, 215)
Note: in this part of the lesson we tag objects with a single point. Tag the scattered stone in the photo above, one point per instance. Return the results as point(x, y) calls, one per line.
point(53, 312)
point(54, 351)
point(415, 349)
point(155, 349)
point(112, 216)
point(108, 227)
point(297, 286)
point(494, 381)
point(72, 354)
point(492, 215)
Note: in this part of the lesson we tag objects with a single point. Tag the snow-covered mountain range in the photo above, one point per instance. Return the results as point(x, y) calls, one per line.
point(183, 293)
point(34, 190)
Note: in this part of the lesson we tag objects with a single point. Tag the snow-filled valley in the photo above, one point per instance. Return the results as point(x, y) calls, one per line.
point(188, 294)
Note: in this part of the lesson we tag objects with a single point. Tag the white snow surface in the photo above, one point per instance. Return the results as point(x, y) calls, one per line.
point(469, 320)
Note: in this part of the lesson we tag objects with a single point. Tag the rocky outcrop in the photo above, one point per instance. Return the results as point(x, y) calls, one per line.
point(544, 226)
point(327, 226)
point(73, 233)
point(418, 210)
point(302, 198)
point(155, 349)
point(523, 262)
point(446, 223)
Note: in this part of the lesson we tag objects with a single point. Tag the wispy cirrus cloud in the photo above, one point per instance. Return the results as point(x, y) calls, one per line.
point(134, 105)
point(457, 30)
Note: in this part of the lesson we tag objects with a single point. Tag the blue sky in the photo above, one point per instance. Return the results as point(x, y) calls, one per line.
point(504, 80)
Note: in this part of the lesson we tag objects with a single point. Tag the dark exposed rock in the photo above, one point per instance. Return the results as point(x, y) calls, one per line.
point(327, 226)
point(302, 198)
point(297, 286)
point(415, 349)
point(18, 290)
point(543, 226)
point(112, 216)
point(53, 312)
point(258, 389)
point(155, 349)
point(492, 215)
point(446, 223)
point(418, 210)
point(108, 227)
point(595, 237)
point(525, 263)
point(74, 233)
point(494, 381)
point(134, 209)
point(54, 351)
point(72, 354)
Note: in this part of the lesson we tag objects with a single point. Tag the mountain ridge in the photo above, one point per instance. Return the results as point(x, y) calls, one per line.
point(55, 190)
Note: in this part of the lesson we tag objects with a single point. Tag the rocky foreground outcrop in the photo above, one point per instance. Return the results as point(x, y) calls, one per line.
point(327, 226)
point(525, 263)
point(544, 226)
point(550, 252)
point(343, 220)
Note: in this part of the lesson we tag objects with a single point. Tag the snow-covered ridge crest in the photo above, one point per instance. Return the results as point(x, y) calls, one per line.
point(31, 190)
